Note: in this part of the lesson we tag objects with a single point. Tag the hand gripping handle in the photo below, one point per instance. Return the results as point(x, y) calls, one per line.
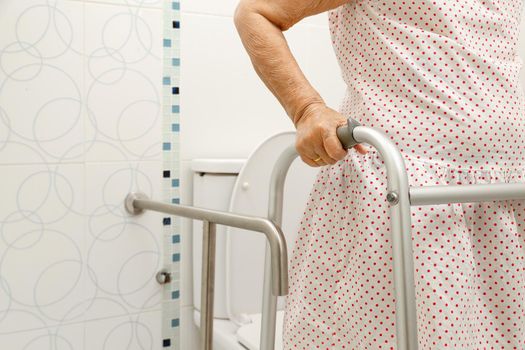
point(345, 133)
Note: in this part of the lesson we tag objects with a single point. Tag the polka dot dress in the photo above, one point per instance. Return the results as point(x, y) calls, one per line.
point(441, 80)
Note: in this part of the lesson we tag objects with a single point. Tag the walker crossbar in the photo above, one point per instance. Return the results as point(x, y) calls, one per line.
point(401, 197)
point(443, 194)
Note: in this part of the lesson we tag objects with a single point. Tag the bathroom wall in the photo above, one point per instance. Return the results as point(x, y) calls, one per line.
point(80, 127)
point(226, 110)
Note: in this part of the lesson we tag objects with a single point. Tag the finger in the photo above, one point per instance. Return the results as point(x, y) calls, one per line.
point(321, 162)
point(309, 161)
point(306, 152)
point(314, 157)
point(333, 147)
point(361, 149)
point(317, 159)
point(324, 156)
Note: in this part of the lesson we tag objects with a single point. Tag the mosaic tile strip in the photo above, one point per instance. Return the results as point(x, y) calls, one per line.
point(171, 171)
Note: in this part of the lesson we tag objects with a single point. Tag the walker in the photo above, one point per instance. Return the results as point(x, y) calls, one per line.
point(400, 196)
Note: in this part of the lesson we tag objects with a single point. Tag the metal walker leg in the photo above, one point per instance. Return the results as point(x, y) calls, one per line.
point(349, 136)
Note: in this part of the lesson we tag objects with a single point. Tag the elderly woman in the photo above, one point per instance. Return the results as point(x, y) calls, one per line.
point(441, 79)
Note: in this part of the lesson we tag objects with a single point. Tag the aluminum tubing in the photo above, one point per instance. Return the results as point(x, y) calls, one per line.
point(443, 194)
point(274, 235)
point(275, 214)
point(397, 184)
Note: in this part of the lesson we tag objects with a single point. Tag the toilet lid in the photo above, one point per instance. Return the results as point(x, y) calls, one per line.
point(245, 250)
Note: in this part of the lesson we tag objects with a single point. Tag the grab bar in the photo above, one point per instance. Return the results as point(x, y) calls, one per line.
point(136, 203)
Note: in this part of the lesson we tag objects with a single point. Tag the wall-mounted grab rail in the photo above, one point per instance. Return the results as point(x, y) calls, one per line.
point(400, 197)
point(136, 203)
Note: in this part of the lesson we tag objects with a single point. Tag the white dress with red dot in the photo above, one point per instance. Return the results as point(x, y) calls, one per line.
point(441, 79)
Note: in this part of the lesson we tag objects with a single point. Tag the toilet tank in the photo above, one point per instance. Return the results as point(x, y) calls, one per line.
point(213, 181)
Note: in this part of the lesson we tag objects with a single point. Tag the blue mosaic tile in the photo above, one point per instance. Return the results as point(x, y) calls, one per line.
point(171, 166)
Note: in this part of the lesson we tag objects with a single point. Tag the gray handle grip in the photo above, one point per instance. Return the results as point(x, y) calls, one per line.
point(345, 133)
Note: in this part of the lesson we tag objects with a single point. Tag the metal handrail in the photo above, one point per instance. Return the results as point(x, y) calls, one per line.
point(399, 195)
point(136, 203)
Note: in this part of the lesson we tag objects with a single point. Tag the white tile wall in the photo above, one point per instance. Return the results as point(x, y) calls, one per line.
point(133, 332)
point(60, 337)
point(123, 66)
point(80, 127)
point(40, 46)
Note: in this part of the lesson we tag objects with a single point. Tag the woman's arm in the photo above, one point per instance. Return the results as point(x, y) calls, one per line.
point(260, 24)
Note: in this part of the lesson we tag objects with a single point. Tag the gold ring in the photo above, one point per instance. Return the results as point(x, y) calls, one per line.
point(318, 159)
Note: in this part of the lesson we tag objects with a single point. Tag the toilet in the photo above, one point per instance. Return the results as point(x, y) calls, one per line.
point(242, 186)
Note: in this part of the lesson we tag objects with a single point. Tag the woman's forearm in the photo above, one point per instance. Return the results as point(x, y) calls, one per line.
point(262, 37)
point(260, 24)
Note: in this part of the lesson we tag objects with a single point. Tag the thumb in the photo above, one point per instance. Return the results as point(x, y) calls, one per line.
point(333, 146)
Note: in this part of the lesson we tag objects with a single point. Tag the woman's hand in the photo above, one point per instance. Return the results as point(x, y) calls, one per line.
point(317, 138)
